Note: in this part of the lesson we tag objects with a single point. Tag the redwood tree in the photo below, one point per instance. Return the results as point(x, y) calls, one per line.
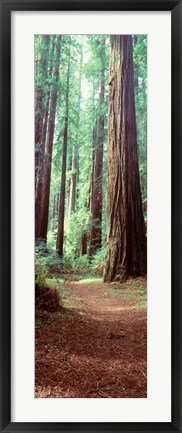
point(42, 216)
point(41, 155)
point(40, 98)
point(126, 238)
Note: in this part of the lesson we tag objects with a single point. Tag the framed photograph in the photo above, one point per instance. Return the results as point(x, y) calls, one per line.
point(90, 216)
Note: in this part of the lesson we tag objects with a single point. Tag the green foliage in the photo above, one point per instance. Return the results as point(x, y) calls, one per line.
point(97, 264)
point(82, 264)
point(40, 268)
point(46, 263)
point(81, 122)
point(40, 273)
point(140, 75)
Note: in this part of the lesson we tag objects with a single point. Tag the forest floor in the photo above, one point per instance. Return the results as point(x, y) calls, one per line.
point(96, 345)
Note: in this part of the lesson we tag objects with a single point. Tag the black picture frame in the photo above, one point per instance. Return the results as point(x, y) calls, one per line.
point(6, 6)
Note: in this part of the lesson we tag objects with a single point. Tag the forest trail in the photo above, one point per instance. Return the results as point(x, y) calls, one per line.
point(95, 347)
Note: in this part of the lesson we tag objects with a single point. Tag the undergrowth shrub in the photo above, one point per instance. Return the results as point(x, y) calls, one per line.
point(76, 264)
point(46, 264)
point(46, 298)
point(97, 264)
point(81, 264)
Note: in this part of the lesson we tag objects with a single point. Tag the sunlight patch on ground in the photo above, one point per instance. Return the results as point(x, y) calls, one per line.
point(54, 282)
point(89, 280)
point(111, 309)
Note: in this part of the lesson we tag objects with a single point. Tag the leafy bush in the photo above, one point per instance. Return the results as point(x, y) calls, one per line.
point(97, 265)
point(46, 263)
point(40, 268)
point(79, 264)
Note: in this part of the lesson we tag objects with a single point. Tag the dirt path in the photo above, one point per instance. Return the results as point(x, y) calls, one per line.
point(96, 345)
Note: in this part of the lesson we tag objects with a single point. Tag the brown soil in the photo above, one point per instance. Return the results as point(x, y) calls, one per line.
point(96, 345)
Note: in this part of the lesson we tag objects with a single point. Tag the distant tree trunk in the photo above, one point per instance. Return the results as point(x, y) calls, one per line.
point(41, 156)
point(126, 239)
point(69, 167)
point(39, 99)
point(41, 232)
point(75, 159)
point(60, 234)
point(91, 197)
point(96, 215)
point(94, 135)
point(54, 206)
point(85, 235)
point(57, 203)
point(84, 244)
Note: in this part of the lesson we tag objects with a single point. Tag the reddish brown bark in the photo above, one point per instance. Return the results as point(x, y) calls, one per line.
point(39, 99)
point(84, 244)
point(40, 171)
point(42, 223)
point(126, 239)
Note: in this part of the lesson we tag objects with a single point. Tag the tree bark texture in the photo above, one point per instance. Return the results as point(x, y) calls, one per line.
point(126, 239)
point(39, 99)
point(41, 155)
point(84, 244)
point(42, 223)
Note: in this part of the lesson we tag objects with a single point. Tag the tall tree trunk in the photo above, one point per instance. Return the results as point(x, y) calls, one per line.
point(54, 206)
point(39, 99)
point(69, 167)
point(126, 239)
point(60, 234)
point(96, 215)
point(75, 158)
point(94, 135)
point(41, 232)
point(91, 197)
point(41, 156)
point(57, 204)
point(84, 244)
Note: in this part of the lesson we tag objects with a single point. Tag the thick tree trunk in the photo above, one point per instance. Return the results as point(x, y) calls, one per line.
point(41, 156)
point(41, 230)
point(39, 100)
point(96, 210)
point(126, 239)
point(60, 234)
